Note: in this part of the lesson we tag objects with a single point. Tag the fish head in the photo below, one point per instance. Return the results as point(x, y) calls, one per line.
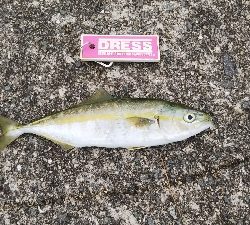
point(181, 122)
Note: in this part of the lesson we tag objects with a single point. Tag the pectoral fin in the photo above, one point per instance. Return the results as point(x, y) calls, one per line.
point(140, 121)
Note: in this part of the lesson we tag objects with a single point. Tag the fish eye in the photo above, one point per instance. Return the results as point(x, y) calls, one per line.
point(189, 118)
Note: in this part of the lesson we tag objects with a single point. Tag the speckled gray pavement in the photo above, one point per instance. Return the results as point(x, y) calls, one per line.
point(205, 63)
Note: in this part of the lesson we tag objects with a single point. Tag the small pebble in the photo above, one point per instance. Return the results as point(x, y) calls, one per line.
point(78, 63)
point(19, 167)
point(230, 69)
point(245, 105)
point(7, 88)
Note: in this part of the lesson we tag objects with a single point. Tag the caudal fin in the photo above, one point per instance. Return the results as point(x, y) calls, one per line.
point(5, 126)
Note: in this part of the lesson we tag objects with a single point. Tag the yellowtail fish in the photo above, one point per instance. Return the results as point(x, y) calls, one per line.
point(105, 121)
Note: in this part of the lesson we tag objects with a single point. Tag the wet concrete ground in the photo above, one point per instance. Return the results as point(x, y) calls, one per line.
point(204, 63)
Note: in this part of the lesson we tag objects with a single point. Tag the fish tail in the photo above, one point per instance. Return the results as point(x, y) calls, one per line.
point(6, 137)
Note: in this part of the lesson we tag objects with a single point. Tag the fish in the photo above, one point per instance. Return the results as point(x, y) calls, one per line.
point(111, 122)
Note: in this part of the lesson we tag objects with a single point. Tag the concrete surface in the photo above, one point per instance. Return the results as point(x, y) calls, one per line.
point(204, 64)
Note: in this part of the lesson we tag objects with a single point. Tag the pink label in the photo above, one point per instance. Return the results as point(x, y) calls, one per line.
point(130, 48)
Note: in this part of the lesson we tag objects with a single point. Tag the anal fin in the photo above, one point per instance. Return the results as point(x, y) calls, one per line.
point(136, 148)
point(66, 147)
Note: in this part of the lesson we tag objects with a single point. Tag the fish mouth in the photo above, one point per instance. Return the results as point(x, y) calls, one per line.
point(209, 120)
point(212, 126)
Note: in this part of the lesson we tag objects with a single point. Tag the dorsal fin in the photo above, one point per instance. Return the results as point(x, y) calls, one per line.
point(100, 95)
